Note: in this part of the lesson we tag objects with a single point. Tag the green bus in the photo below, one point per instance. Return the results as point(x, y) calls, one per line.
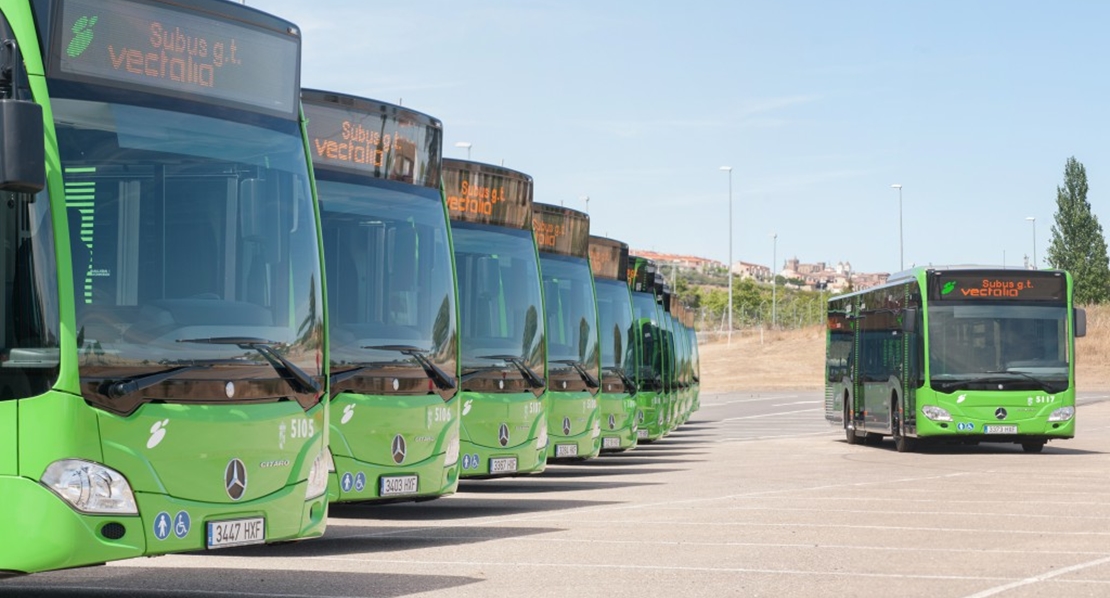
point(651, 408)
point(502, 353)
point(570, 314)
point(695, 360)
point(958, 354)
point(669, 351)
point(682, 362)
point(394, 431)
point(616, 333)
point(164, 381)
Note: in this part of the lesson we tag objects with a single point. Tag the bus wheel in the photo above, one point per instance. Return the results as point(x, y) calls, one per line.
point(901, 443)
point(1034, 446)
point(849, 425)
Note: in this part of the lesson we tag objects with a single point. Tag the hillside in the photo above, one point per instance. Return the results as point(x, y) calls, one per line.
point(795, 358)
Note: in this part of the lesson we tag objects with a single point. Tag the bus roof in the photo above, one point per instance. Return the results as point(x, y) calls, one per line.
point(373, 138)
point(487, 194)
point(609, 258)
point(561, 230)
point(920, 272)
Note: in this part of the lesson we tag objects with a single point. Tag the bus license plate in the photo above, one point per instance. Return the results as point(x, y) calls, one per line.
point(502, 465)
point(610, 442)
point(642, 433)
point(236, 532)
point(1000, 429)
point(566, 450)
point(399, 484)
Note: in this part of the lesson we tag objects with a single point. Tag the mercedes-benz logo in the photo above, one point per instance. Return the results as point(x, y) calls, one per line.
point(612, 421)
point(503, 435)
point(235, 479)
point(566, 426)
point(1000, 413)
point(398, 449)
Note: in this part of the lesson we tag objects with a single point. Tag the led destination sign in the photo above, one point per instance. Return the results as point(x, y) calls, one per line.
point(609, 258)
point(998, 286)
point(641, 274)
point(561, 230)
point(373, 138)
point(161, 49)
point(487, 194)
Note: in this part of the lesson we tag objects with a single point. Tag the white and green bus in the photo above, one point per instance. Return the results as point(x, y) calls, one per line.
point(570, 311)
point(391, 296)
point(617, 338)
point(503, 360)
point(164, 343)
point(955, 354)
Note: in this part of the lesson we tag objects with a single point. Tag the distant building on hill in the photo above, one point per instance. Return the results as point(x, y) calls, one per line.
point(817, 276)
point(682, 262)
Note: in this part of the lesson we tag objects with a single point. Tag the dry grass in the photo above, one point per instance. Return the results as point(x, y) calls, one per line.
point(767, 360)
point(795, 359)
point(1092, 364)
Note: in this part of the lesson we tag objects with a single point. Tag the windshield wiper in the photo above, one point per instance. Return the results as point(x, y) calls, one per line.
point(533, 379)
point(442, 379)
point(629, 385)
point(345, 375)
point(121, 388)
point(588, 378)
point(295, 376)
point(1044, 385)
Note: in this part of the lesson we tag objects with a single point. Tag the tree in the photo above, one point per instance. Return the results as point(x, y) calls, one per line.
point(1078, 244)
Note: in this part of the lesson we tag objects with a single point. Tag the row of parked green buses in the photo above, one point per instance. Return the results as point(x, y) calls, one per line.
point(228, 301)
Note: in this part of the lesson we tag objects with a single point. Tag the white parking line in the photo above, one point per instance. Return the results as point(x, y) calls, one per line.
point(763, 415)
point(1039, 578)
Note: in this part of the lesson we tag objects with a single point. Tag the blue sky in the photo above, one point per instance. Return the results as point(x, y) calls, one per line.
point(818, 106)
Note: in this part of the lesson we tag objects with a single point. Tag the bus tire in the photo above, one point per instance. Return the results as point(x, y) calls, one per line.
point(849, 424)
point(1033, 446)
point(902, 444)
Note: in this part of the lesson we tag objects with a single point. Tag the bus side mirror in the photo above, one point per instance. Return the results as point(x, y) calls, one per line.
point(22, 157)
point(1080, 322)
point(909, 320)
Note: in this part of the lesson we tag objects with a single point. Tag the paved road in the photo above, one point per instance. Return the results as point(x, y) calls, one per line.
point(756, 496)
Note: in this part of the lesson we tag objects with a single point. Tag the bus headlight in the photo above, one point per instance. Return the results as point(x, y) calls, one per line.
point(541, 438)
point(1062, 414)
point(936, 414)
point(90, 487)
point(318, 476)
point(451, 455)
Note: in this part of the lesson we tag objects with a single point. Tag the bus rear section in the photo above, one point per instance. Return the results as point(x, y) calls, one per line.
point(570, 308)
point(391, 296)
point(173, 395)
point(617, 339)
point(503, 362)
point(965, 355)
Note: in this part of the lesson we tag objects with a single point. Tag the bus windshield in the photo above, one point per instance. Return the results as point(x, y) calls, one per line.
point(1000, 345)
point(389, 272)
point(501, 312)
point(570, 311)
point(189, 232)
point(614, 308)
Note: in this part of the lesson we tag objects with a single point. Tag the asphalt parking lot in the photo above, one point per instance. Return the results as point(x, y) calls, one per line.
point(755, 496)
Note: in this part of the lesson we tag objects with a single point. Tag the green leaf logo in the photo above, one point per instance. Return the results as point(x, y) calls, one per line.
point(83, 36)
point(948, 287)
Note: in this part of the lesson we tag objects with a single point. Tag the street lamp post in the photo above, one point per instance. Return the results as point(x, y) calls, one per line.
point(465, 145)
point(728, 169)
point(901, 255)
point(774, 281)
point(1033, 219)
